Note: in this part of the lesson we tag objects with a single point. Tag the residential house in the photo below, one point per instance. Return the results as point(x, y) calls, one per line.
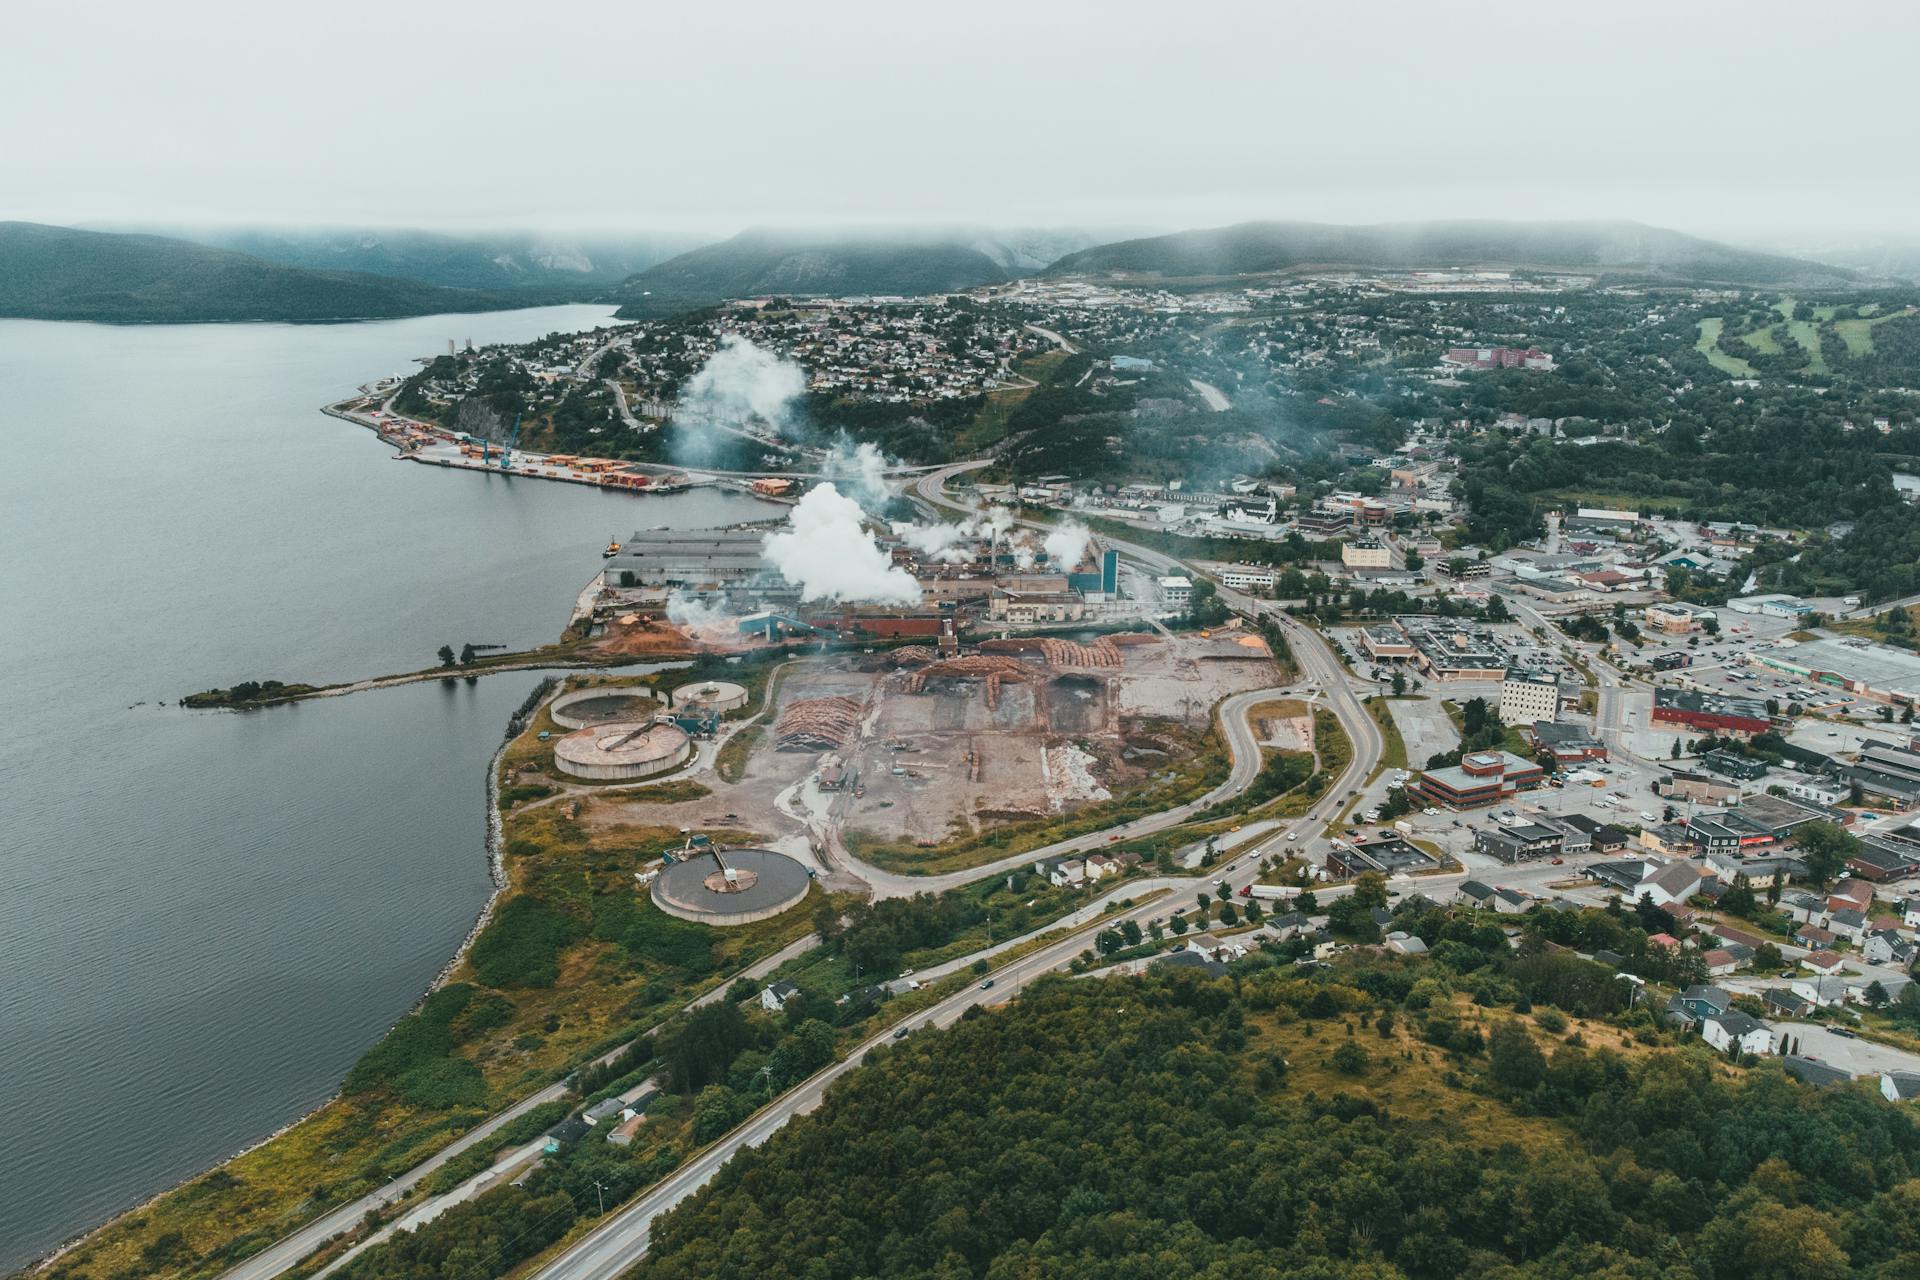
point(1890, 984)
point(1697, 1002)
point(1803, 908)
point(1733, 1029)
point(1884, 946)
point(1189, 959)
point(1785, 1002)
point(1472, 893)
point(1673, 883)
point(774, 998)
point(1813, 937)
point(1813, 1071)
point(1848, 924)
point(1288, 926)
point(1825, 962)
point(1405, 944)
point(1719, 962)
point(1900, 1086)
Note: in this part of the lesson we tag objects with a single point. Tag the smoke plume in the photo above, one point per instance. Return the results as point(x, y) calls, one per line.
point(740, 387)
point(826, 551)
point(861, 471)
point(1066, 544)
point(937, 541)
point(698, 618)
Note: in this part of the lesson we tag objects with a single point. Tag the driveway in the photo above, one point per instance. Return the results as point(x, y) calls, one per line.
point(1861, 1057)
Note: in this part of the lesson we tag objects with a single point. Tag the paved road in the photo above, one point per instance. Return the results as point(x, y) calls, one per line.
point(620, 1241)
point(1056, 339)
point(1215, 398)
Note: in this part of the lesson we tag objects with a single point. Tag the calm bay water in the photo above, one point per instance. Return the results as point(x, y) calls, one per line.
point(205, 916)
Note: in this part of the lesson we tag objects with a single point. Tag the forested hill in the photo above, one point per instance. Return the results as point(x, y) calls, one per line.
point(578, 268)
point(1252, 248)
point(760, 263)
point(1269, 1125)
point(57, 273)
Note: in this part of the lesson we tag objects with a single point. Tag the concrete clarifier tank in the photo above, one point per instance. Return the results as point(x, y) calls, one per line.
point(613, 752)
point(731, 887)
point(602, 704)
point(718, 696)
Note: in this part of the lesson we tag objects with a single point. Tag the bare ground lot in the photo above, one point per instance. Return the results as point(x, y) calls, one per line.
point(928, 764)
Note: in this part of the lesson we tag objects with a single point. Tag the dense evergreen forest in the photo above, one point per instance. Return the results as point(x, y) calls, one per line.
point(1271, 1125)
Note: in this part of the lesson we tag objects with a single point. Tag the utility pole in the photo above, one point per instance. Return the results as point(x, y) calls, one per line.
point(600, 1191)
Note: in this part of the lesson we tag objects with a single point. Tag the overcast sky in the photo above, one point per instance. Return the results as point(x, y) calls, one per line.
point(1720, 118)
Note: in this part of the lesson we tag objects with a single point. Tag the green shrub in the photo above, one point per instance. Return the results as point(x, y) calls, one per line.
point(521, 946)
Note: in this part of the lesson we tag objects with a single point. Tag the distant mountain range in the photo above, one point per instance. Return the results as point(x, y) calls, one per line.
point(57, 273)
point(579, 267)
point(1627, 248)
point(759, 263)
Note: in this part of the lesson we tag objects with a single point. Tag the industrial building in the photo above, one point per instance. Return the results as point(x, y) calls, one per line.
point(1710, 712)
point(689, 558)
point(1569, 744)
point(1388, 855)
point(1875, 671)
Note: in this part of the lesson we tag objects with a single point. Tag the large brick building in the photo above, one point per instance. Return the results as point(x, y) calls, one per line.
point(1710, 712)
point(1481, 778)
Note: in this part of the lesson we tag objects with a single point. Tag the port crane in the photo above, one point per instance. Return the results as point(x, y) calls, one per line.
point(513, 442)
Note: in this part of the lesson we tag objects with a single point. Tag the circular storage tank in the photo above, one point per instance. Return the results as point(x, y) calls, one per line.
point(710, 695)
point(607, 752)
point(734, 886)
point(602, 705)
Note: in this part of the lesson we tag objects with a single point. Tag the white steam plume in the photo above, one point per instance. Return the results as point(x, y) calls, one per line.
point(937, 541)
point(692, 614)
point(827, 552)
point(862, 471)
point(1066, 544)
point(740, 386)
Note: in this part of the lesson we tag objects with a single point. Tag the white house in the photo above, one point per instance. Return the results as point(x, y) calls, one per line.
point(1670, 885)
point(774, 998)
point(1722, 1030)
point(1898, 1086)
point(1825, 992)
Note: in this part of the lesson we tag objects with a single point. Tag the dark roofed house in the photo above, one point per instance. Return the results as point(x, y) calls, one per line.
point(1784, 1002)
point(1813, 1071)
point(1899, 1086)
point(1190, 960)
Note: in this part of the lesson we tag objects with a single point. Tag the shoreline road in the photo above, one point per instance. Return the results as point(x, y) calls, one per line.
point(289, 1250)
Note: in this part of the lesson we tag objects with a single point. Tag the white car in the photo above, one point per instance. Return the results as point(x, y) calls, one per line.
point(1431, 812)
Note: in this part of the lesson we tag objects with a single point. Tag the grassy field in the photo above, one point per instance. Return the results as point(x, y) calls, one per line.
point(1708, 345)
point(989, 426)
point(1624, 501)
point(1762, 340)
point(1395, 755)
point(1807, 334)
point(1858, 333)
